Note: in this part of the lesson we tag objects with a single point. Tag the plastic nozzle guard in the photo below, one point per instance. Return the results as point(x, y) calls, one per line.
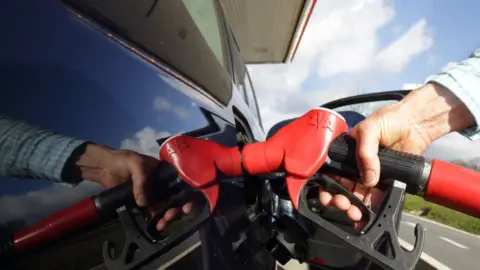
point(299, 148)
point(199, 163)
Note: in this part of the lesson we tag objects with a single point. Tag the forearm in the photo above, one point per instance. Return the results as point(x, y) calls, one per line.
point(463, 80)
point(31, 152)
point(436, 110)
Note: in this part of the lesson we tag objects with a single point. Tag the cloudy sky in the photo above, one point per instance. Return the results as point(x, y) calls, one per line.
point(357, 46)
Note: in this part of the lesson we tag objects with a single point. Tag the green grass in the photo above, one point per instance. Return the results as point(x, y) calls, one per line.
point(442, 214)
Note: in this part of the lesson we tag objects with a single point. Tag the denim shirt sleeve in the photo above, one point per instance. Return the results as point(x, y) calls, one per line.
point(30, 152)
point(463, 79)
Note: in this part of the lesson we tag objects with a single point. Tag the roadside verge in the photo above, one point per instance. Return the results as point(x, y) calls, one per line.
point(419, 207)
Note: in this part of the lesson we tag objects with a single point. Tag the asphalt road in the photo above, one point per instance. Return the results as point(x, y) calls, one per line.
point(453, 249)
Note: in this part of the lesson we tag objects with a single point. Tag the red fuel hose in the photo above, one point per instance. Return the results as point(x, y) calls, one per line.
point(83, 213)
point(69, 219)
point(455, 187)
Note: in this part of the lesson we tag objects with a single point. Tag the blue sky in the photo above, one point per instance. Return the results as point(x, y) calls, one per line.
point(354, 46)
point(452, 26)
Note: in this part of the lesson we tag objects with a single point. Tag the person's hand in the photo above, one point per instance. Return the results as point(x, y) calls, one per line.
point(171, 214)
point(410, 125)
point(110, 167)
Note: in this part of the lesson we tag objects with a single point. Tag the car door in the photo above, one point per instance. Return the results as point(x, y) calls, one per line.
point(116, 73)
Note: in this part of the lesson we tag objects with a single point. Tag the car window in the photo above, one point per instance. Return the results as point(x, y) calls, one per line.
point(204, 14)
point(187, 35)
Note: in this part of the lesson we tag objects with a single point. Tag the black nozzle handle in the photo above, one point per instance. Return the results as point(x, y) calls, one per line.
point(160, 186)
point(405, 167)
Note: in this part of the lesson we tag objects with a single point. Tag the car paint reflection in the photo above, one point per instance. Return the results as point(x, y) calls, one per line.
point(59, 73)
point(80, 84)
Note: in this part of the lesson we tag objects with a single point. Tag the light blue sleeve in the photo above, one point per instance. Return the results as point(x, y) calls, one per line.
point(31, 152)
point(463, 79)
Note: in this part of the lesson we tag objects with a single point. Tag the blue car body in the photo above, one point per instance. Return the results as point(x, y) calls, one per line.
point(68, 68)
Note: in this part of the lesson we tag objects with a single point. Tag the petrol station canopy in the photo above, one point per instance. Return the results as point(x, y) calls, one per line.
point(268, 31)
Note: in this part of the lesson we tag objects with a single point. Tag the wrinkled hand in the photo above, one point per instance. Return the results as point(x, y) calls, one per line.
point(171, 215)
point(110, 168)
point(125, 165)
point(410, 125)
point(386, 127)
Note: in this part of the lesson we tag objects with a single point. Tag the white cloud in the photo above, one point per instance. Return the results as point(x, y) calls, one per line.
point(145, 141)
point(162, 104)
point(353, 42)
point(37, 204)
point(431, 59)
point(397, 29)
point(409, 86)
point(399, 53)
point(453, 146)
point(342, 38)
